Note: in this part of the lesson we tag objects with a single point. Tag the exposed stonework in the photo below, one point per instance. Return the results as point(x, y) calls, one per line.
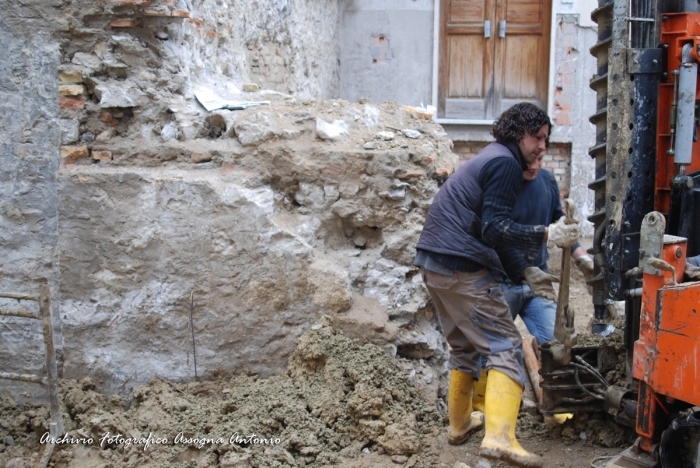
point(81, 74)
point(275, 227)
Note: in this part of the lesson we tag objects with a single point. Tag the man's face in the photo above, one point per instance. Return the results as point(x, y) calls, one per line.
point(535, 145)
point(534, 168)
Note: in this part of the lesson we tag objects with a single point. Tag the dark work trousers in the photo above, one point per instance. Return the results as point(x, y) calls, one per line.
point(477, 323)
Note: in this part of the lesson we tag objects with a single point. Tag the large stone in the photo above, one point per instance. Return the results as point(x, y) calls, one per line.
point(119, 94)
point(87, 60)
point(69, 131)
point(255, 129)
point(333, 131)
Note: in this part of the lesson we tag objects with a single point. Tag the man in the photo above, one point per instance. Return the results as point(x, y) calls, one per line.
point(529, 292)
point(471, 214)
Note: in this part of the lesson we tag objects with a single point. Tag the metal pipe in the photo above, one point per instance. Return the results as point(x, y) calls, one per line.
point(685, 126)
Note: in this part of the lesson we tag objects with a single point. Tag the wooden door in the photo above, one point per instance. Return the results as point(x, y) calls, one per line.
point(483, 74)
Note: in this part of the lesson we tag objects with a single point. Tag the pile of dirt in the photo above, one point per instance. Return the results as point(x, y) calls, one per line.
point(340, 403)
point(338, 398)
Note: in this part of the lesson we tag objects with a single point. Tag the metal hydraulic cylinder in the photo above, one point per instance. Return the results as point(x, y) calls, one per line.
point(685, 127)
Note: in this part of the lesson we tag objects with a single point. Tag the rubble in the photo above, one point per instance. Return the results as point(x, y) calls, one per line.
point(337, 399)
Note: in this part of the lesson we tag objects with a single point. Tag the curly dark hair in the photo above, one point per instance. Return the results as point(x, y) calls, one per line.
point(523, 117)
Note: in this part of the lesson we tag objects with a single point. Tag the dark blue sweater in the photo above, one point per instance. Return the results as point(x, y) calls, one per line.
point(538, 203)
point(471, 213)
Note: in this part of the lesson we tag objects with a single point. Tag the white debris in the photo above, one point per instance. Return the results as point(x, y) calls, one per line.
point(331, 131)
point(410, 133)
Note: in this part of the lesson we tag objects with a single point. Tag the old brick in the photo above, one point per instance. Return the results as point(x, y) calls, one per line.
point(332, 170)
point(409, 175)
point(443, 171)
point(124, 23)
point(563, 118)
point(68, 162)
point(200, 157)
point(71, 90)
point(74, 151)
point(102, 155)
point(135, 2)
point(156, 12)
point(71, 103)
point(180, 14)
point(70, 76)
point(107, 117)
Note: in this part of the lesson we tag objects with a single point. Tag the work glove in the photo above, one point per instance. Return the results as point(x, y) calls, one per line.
point(692, 273)
point(563, 234)
point(585, 266)
point(540, 282)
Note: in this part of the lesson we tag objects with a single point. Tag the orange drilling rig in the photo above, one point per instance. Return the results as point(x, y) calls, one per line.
point(647, 224)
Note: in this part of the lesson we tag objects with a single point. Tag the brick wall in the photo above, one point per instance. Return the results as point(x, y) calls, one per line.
point(557, 160)
point(269, 65)
point(468, 149)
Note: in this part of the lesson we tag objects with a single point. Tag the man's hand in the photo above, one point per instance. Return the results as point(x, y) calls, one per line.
point(562, 234)
point(540, 282)
point(692, 272)
point(585, 266)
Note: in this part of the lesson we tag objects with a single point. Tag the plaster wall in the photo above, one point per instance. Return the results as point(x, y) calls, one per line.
point(574, 103)
point(386, 51)
point(29, 139)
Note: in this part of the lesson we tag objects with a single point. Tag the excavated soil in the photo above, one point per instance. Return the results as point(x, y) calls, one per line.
point(341, 403)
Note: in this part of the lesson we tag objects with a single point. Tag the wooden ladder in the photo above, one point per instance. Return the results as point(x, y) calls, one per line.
point(56, 428)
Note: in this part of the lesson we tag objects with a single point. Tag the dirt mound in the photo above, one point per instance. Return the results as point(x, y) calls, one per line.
point(337, 399)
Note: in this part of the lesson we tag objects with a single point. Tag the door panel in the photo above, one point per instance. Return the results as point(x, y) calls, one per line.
point(522, 64)
point(466, 59)
point(467, 67)
point(464, 11)
point(480, 77)
point(522, 81)
point(524, 12)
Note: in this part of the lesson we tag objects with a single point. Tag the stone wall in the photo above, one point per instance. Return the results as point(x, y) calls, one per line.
point(95, 90)
point(290, 212)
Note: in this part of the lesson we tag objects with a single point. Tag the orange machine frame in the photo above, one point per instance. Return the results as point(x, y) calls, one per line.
point(677, 29)
point(666, 354)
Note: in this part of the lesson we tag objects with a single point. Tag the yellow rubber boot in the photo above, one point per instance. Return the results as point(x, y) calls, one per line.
point(479, 392)
point(503, 396)
point(459, 408)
